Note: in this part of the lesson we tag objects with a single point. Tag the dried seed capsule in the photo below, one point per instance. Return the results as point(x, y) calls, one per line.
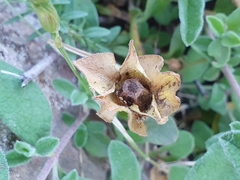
point(133, 92)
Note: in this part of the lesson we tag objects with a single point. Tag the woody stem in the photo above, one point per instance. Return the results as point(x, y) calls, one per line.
point(120, 127)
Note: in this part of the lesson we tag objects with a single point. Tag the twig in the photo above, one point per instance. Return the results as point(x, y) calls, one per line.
point(37, 69)
point(65, 139)
point(182, 163)
point(231, 80)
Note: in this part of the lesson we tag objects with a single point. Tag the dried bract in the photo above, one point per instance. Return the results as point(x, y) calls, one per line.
point(138, 87)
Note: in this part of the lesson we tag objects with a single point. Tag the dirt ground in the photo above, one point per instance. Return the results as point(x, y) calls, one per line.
point(23, 54)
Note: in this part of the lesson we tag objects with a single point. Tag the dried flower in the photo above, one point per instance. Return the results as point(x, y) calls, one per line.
point(138, 87)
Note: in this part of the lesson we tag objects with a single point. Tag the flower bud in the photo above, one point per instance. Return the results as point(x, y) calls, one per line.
point(47, 16)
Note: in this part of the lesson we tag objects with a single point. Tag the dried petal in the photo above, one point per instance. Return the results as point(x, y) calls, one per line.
point(100, 71)
point(109, 108)
point(136, 124)
point(152, 64)
point(131, 66)
point(164, 86)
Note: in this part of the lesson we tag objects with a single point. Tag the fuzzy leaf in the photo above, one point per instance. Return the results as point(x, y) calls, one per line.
point(191, 18)
point(220, 53)
point(231, 146)
point(98, 140)
point(96, 127)
point(178, 172)
point(73, 15)
point(46, 145)
point(4, 169)
point(16, 159)
point(194, 67)
point(64, 87)
point(81, 136)
point(24, 149)
point(96, 32)
point(201, 133)
point(78, 97)
point(235, 125)
point(230, 39)
point(72, 175)
point(211, 162)
point(68, 119)
point(24, 110)
point(177, 47)
point(233, 21)
point(124, 164)
point(216, 25)
point(181, 148)
point(211, 74)
point(218, 99)
point(161, 134)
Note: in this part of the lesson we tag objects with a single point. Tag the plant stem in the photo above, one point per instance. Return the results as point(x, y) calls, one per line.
point(63, 142)
point(163, 166)
point(231, 80)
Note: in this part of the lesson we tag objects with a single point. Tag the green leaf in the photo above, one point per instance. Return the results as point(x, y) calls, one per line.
point(201, 44)
point(230, 39)
point(88, 7)
point(92, 104)
point(97, 144)
point(161, 134)
point(231, 147)
point(178, 172)
point(152, 7)
point(234, 60)
point(124, 164)
point(235, 125)
point(78, 97)
point(96, 127)
point(47, 145)
point(218, 99)
point(15, 159)
point(96, 32)
point(216, 25)
point(24, 110)
point(233, 21)
point(121, 50)
point(73, 15)
point(177, 47)
point(204, 102)
point(181, 148)
point(72, 175)
point(211, 74)
point(213, 165)
point(137, 139)
point(64, 87)
point(81, 136)
point(220, 53)
point(194, 66)
point(4, 170)
point(24, 149)
point(114, 32)
point(224, 6)
point(201, 133)
point(191, 18)
point(68, 119)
